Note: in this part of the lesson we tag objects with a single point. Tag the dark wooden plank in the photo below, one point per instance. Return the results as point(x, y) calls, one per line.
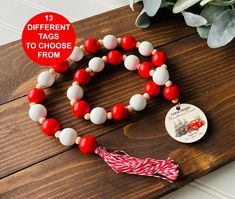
point(206, 77)
point(18, 73)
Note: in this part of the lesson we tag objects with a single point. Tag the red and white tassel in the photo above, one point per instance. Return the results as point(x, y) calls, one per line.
point(121, 162)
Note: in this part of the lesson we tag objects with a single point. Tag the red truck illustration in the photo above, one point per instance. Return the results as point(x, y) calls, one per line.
point(183, 127)
point(194, 125)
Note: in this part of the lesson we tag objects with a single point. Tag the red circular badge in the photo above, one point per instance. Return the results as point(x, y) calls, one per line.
point(48, 38)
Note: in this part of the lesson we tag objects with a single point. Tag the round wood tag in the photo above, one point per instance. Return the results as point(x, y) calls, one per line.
point(186, 123)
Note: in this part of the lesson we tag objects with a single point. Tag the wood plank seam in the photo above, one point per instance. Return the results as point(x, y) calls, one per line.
point(193, 70)
point(35, 163)
point(176, 40)
point(159, 46)
point(65, 150)
point(18, 89)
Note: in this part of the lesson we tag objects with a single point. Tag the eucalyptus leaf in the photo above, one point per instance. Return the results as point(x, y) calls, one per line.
point(166, 3)
point(204, 2)
point(203, 31)
point(210, 12)
point(182, 5)
point(152, 6)
point(231, 28)
point(142, 20)
point(219, 35)
point(223, 2)
point(131, 4)
point(194, 20)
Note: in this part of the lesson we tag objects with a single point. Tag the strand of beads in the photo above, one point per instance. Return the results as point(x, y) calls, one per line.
point(164, 169)
point(38, 112)
point(51, 126)
point(47, 78)
point(138, 102)
point(36, 96)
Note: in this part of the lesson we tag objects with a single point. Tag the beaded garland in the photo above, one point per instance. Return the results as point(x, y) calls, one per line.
point(164, 169)
point(138, 102)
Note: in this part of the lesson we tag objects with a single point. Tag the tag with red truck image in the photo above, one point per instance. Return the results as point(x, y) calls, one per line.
point(186, 123)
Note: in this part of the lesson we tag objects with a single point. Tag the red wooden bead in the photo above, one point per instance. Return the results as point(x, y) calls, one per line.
point(36, 95)
point(119, 111)
point(50, 126)
point(80, 108)
point(152, 89)
point(144, 69)
point(172, 92)
point(91, 45)
point(159, 58)
point(87, 144)
point(82, 77)
point(128, 42)
point(114, 57)
point(62, 67)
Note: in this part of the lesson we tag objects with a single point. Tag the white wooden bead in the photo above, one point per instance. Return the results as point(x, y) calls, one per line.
point(131, 62)
point(57, 134)
point(100, 41)
point(77, 140)
point(41, 120)
point(87, 116)
point(146, 96)
point(130, 108)
point(151, 72)
point(109, 116)
point(137, 44)
point(37, 111)
point(67, 136)
point(72, 102)
point(96, 64)
point(104, 58)
point(160, 76)
point(145, 48)
point(138, 102)
point(77, 54)
point(119, 40)
point(98, 115)
point(154, 51)
point(164, 66)
point(88, 70)
point(31, 104)
point(46, 79)
point(110, 42)
point(82, 47)
point(74, 92)
point(52, 70)
point(39, 86)
point(175, 101)
point(75, 83)
point(168, 83)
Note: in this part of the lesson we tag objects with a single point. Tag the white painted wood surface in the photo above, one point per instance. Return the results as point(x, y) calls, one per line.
point(13, 16)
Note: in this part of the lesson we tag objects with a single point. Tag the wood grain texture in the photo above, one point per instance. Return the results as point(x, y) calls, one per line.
point(18, 73)
point(35, 166)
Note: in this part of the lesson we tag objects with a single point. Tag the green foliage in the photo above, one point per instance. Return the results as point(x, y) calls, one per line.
point(216, 22)
point(182, 5)
point(219, 34)
point(142, 20)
